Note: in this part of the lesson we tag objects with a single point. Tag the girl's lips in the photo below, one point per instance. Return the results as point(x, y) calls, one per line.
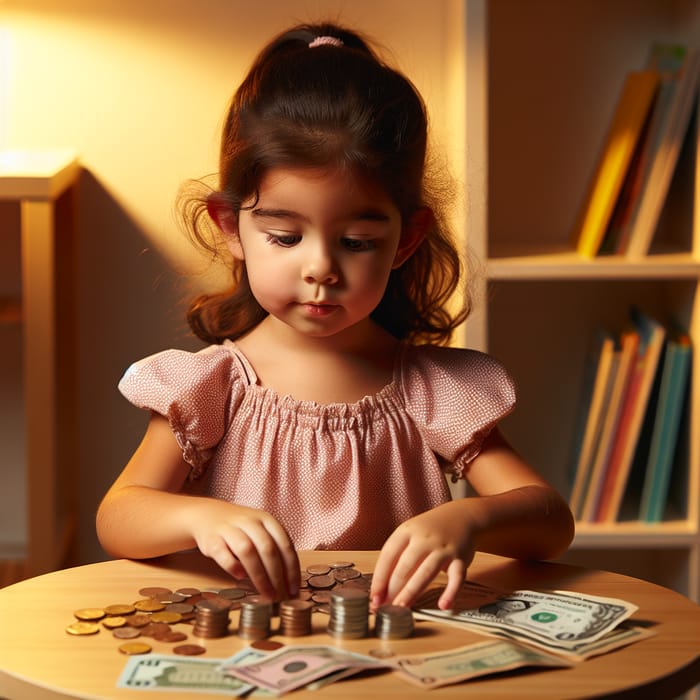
point(319, 309)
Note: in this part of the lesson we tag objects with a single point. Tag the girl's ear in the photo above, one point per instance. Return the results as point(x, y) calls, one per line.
point(412, 235)
point(226, 220)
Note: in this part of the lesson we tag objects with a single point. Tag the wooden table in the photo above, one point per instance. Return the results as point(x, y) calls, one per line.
point(39, 660)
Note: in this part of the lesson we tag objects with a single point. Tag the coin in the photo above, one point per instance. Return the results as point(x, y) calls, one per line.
point(341, 565)
point(346, 574)
point(182, 608)
point(89, 614)
point(126, 632)
point(82, 628)
point(119, 609)
point(166, 616)
point(153, 591)
point(189, 649)
point(133, 648)
point(266, 645)
point(318, 569)
point(321, 581)
point(188, 591)
point(172, 637)
point(149, 605)
point(138, 620)
point(113, 622)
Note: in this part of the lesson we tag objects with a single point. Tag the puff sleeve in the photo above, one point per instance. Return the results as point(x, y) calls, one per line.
point(456, 397)
point(196, 392)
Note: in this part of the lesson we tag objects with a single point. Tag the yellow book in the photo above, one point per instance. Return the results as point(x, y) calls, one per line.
point(633, 108)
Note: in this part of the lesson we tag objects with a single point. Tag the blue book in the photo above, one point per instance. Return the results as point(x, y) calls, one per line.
point(667, 421)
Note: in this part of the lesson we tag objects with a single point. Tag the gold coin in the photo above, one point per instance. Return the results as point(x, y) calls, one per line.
point(83, 628)
point(89, 614)
point(113, 622)
point(133, 648)
point(153, 591)
point(166, 616)
point(149, 605)
point(120, 609)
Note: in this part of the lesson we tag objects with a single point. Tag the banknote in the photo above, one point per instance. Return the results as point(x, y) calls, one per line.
point(180, 673)
point(456, 665)
point(554, 620)
point(295, 666)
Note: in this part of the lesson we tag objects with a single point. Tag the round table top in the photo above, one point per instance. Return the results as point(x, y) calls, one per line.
point(38, 659)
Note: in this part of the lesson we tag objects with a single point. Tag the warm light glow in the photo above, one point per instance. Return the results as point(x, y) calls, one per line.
point(5, 65)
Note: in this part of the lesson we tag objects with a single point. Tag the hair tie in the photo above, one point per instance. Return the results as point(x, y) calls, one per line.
point(329, 40)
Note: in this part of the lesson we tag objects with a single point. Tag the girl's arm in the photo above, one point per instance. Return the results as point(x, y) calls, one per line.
point(144, 515)
point(516, 514)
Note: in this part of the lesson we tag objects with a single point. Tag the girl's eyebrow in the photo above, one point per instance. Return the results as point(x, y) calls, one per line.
point(276, 214)
point(369, 214)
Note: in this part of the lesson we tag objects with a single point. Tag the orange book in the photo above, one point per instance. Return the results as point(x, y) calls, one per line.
point(628, 122)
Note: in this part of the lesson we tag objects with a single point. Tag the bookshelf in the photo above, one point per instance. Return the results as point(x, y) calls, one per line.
point(36, 192)
point(540, 95)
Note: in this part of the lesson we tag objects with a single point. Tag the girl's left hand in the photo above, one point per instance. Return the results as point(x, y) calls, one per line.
point(417, 551)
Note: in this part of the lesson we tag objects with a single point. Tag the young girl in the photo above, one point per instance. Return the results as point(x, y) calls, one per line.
point(325, 411)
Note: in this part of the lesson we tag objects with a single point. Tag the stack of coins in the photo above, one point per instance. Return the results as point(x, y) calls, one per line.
point(295, 617)
point(349, 613)
point(211, 618)
point(254, 621)
point(393, 622)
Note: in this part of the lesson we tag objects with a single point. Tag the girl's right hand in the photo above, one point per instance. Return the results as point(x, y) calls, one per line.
point(248, 542)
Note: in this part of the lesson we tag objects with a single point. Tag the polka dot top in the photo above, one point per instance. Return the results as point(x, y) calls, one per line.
point(337, 476)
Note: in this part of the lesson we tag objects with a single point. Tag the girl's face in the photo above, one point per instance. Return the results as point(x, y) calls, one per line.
point(319, 246)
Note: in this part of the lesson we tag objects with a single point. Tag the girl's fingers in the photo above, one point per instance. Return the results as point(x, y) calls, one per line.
point(456, 573)
point(410, 586)
point(383, 570)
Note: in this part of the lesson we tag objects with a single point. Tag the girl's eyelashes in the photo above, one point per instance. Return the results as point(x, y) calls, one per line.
point(286, 240)
point(353, 245)
point(358, 245)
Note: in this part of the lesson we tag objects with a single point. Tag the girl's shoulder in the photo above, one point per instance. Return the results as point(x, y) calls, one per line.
point(213, 371)
point(448, 376)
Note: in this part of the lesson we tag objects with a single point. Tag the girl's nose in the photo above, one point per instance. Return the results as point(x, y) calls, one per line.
point(319, 268)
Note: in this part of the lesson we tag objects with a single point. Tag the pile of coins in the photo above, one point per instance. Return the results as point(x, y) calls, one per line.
point(295, 617)
point(338, 589)
point(254, 621)
point(211, 618)
point(393, 622)
point(349, 612)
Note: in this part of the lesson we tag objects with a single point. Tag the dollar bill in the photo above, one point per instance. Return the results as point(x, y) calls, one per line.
point(561, 621)
point(295, 666)
point(179, 673)
point(471, 661)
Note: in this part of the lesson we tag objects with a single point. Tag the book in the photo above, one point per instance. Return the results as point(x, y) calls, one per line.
point(634, 407)
point(665, 158)
point(601, 383)
point(628, 344)
point(630, 115)
point(673, 391)
point(668, 59)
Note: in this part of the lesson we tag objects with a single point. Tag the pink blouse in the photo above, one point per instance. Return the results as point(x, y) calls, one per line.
point(337, 476)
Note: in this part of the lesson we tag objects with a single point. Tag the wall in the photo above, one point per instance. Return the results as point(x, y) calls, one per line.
point(138, 89)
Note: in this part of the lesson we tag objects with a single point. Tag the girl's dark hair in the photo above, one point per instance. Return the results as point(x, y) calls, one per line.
point(340, 106)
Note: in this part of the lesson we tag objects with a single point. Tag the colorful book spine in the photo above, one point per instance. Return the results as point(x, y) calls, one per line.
point(630, 116)
point(673, 391)
point(652, 336)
